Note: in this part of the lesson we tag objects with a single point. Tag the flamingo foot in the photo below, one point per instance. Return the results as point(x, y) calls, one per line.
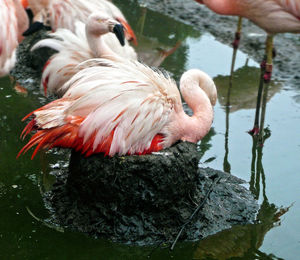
point(236, 42)
point(254, 131)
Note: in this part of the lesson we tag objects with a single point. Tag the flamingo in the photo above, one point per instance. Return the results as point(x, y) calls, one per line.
point(274, 16)
point(90, 41)
point(123, 108)
point(14, 23)
point(63, 13)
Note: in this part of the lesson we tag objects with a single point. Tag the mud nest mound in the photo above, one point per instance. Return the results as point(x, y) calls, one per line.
point(147, 199)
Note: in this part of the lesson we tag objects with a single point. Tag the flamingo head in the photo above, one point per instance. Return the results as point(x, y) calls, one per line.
point(99, 24)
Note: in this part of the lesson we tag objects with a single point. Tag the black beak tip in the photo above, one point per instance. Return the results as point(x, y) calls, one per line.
point(34, 27)
point(119, 32)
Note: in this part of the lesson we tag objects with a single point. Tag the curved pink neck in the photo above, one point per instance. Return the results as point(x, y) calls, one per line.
point(195, 127)
point(99, 48)
point(22, 18)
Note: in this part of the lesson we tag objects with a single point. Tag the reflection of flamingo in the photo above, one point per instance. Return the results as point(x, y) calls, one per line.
point(14, 22)
point(152, 56)
point(62, 14)
point(128, 109)
point(155, 56)
point(92, 41)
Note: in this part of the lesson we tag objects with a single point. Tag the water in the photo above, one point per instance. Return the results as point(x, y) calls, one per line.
point(272, 172)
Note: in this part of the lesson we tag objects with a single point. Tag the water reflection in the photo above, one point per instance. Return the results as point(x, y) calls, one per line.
point(243, 242)
point(244, 88)
point(150, 50)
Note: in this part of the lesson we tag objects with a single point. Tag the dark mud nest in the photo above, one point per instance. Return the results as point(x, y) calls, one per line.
point(146, 199)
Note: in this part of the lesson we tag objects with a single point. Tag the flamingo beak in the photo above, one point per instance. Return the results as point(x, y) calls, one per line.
point(130, 36)
point(118, 30)
point(200, 1)
point(34, 27)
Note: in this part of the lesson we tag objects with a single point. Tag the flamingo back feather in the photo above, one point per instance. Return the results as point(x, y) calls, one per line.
point(112, 115)
point(72, 49)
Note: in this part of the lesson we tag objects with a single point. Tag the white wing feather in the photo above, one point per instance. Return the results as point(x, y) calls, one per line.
point(136, 104)
point(73, 49)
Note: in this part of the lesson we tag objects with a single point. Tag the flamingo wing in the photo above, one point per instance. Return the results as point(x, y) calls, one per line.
point(72, 50)
point(127, 99)
point(291, 6)
point(123, 114)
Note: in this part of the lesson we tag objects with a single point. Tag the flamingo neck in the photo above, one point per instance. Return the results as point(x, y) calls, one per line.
point(98, 46)
point(23, 22)
point(195, 127)
point(199, 92)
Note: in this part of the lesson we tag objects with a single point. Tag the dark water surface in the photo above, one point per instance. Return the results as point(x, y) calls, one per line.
point(272, 170)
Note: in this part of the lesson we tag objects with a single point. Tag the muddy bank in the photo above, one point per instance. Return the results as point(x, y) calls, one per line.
point(287, 61)
point(147, 199)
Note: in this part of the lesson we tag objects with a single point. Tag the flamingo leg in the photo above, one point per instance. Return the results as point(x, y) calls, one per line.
point(237, 38)
point(265, 78)
point(269, 64)
point(255, 129)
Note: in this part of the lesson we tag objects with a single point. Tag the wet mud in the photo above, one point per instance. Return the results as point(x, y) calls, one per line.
point(147, 199)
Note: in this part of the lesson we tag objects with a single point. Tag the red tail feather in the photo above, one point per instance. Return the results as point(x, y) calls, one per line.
point(66, 136)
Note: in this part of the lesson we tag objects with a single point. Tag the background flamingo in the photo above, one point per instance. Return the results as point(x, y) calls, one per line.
point(130, 110)
point(274, 16)
point(90, 41)
point(13, 22)
point(63, 14)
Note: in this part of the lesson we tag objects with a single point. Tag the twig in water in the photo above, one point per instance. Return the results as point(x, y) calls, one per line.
point(59, 229)
point(195, 211)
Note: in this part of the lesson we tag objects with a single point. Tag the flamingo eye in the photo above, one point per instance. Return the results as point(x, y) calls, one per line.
point(100, 20)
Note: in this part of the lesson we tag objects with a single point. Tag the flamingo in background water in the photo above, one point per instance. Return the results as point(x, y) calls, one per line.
point(13, 23)
point(274, 16)
point(124, 108)
point(90, 41)
point(63, 13)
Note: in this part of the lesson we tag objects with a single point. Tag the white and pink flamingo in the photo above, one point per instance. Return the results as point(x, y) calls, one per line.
point(101, 37)
point(119, 108)
point(13, 23)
